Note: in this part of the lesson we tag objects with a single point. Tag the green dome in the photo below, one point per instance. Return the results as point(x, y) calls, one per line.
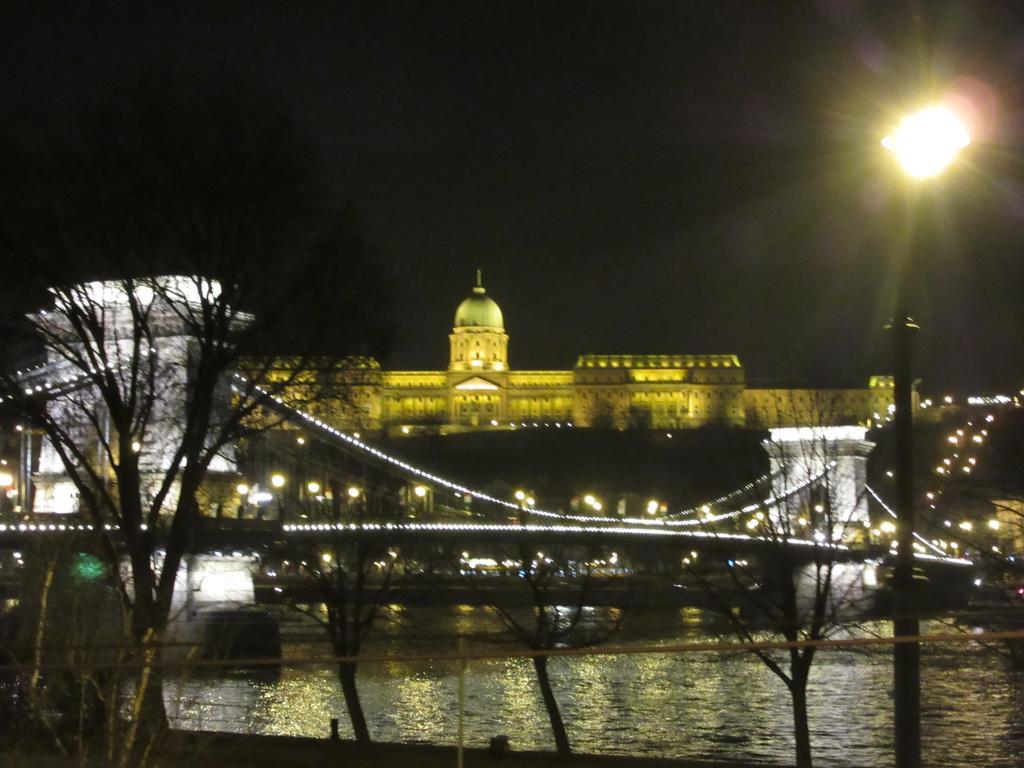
point(479, 310)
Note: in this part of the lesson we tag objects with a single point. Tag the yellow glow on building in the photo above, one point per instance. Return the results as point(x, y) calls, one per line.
point(480, 390)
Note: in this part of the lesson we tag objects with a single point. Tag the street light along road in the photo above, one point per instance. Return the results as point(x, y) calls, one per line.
point(924, 144)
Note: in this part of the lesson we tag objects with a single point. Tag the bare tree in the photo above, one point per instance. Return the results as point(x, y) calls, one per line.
point(354, 575)
point(559, 614)
point(794, 584)
point(72, 640)
point(137, 395)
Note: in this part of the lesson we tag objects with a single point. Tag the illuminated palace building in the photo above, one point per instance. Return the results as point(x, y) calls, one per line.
point(480, 390)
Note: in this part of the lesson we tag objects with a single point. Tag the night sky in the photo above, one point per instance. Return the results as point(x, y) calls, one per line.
point(692, 177)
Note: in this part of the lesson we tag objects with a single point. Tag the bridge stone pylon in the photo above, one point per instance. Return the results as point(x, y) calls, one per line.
point(168, 301)
point(815, 465)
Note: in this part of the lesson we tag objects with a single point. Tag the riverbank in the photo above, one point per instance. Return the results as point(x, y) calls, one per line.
point(224, 750)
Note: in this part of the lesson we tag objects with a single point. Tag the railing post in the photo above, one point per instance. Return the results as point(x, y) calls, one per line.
point(460, 758)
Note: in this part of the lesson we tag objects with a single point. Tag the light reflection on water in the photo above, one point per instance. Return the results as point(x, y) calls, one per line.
point(716, 706)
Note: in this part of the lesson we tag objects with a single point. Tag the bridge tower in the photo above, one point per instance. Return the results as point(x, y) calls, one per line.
point(169, 301)
point(814, 465)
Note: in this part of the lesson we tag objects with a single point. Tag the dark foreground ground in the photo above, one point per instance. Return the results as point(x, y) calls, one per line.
point(229, 750)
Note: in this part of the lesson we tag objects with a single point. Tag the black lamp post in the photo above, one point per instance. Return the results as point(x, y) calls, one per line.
point(924, 144)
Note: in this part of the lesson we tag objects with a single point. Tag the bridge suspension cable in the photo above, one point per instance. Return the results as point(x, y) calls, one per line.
point(356, 443)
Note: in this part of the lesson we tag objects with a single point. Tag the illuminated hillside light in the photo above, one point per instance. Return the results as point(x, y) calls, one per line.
point(589, 499)
point(136, 446)
point(6, 479)
point(993, 524)
point(926, 142)
point(242, 489)
point(313, 486)
point(652, 507)
point(966, 525)
point(420, 490)
point(520, 495)
point(353, 492)
point(277, 480)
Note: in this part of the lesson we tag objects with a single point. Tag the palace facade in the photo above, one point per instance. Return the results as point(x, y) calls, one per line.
point(480, 390)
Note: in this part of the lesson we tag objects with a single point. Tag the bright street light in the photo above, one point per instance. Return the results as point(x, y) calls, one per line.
point(927, 141)
point(924, 144)
point(277, 480)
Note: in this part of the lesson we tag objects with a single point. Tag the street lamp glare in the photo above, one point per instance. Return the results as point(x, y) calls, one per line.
point(927, 141)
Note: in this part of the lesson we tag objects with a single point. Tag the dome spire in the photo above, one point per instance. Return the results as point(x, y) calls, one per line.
point(478, 310)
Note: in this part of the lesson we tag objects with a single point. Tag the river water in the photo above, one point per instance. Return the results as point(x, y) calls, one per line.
point(714, 705)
